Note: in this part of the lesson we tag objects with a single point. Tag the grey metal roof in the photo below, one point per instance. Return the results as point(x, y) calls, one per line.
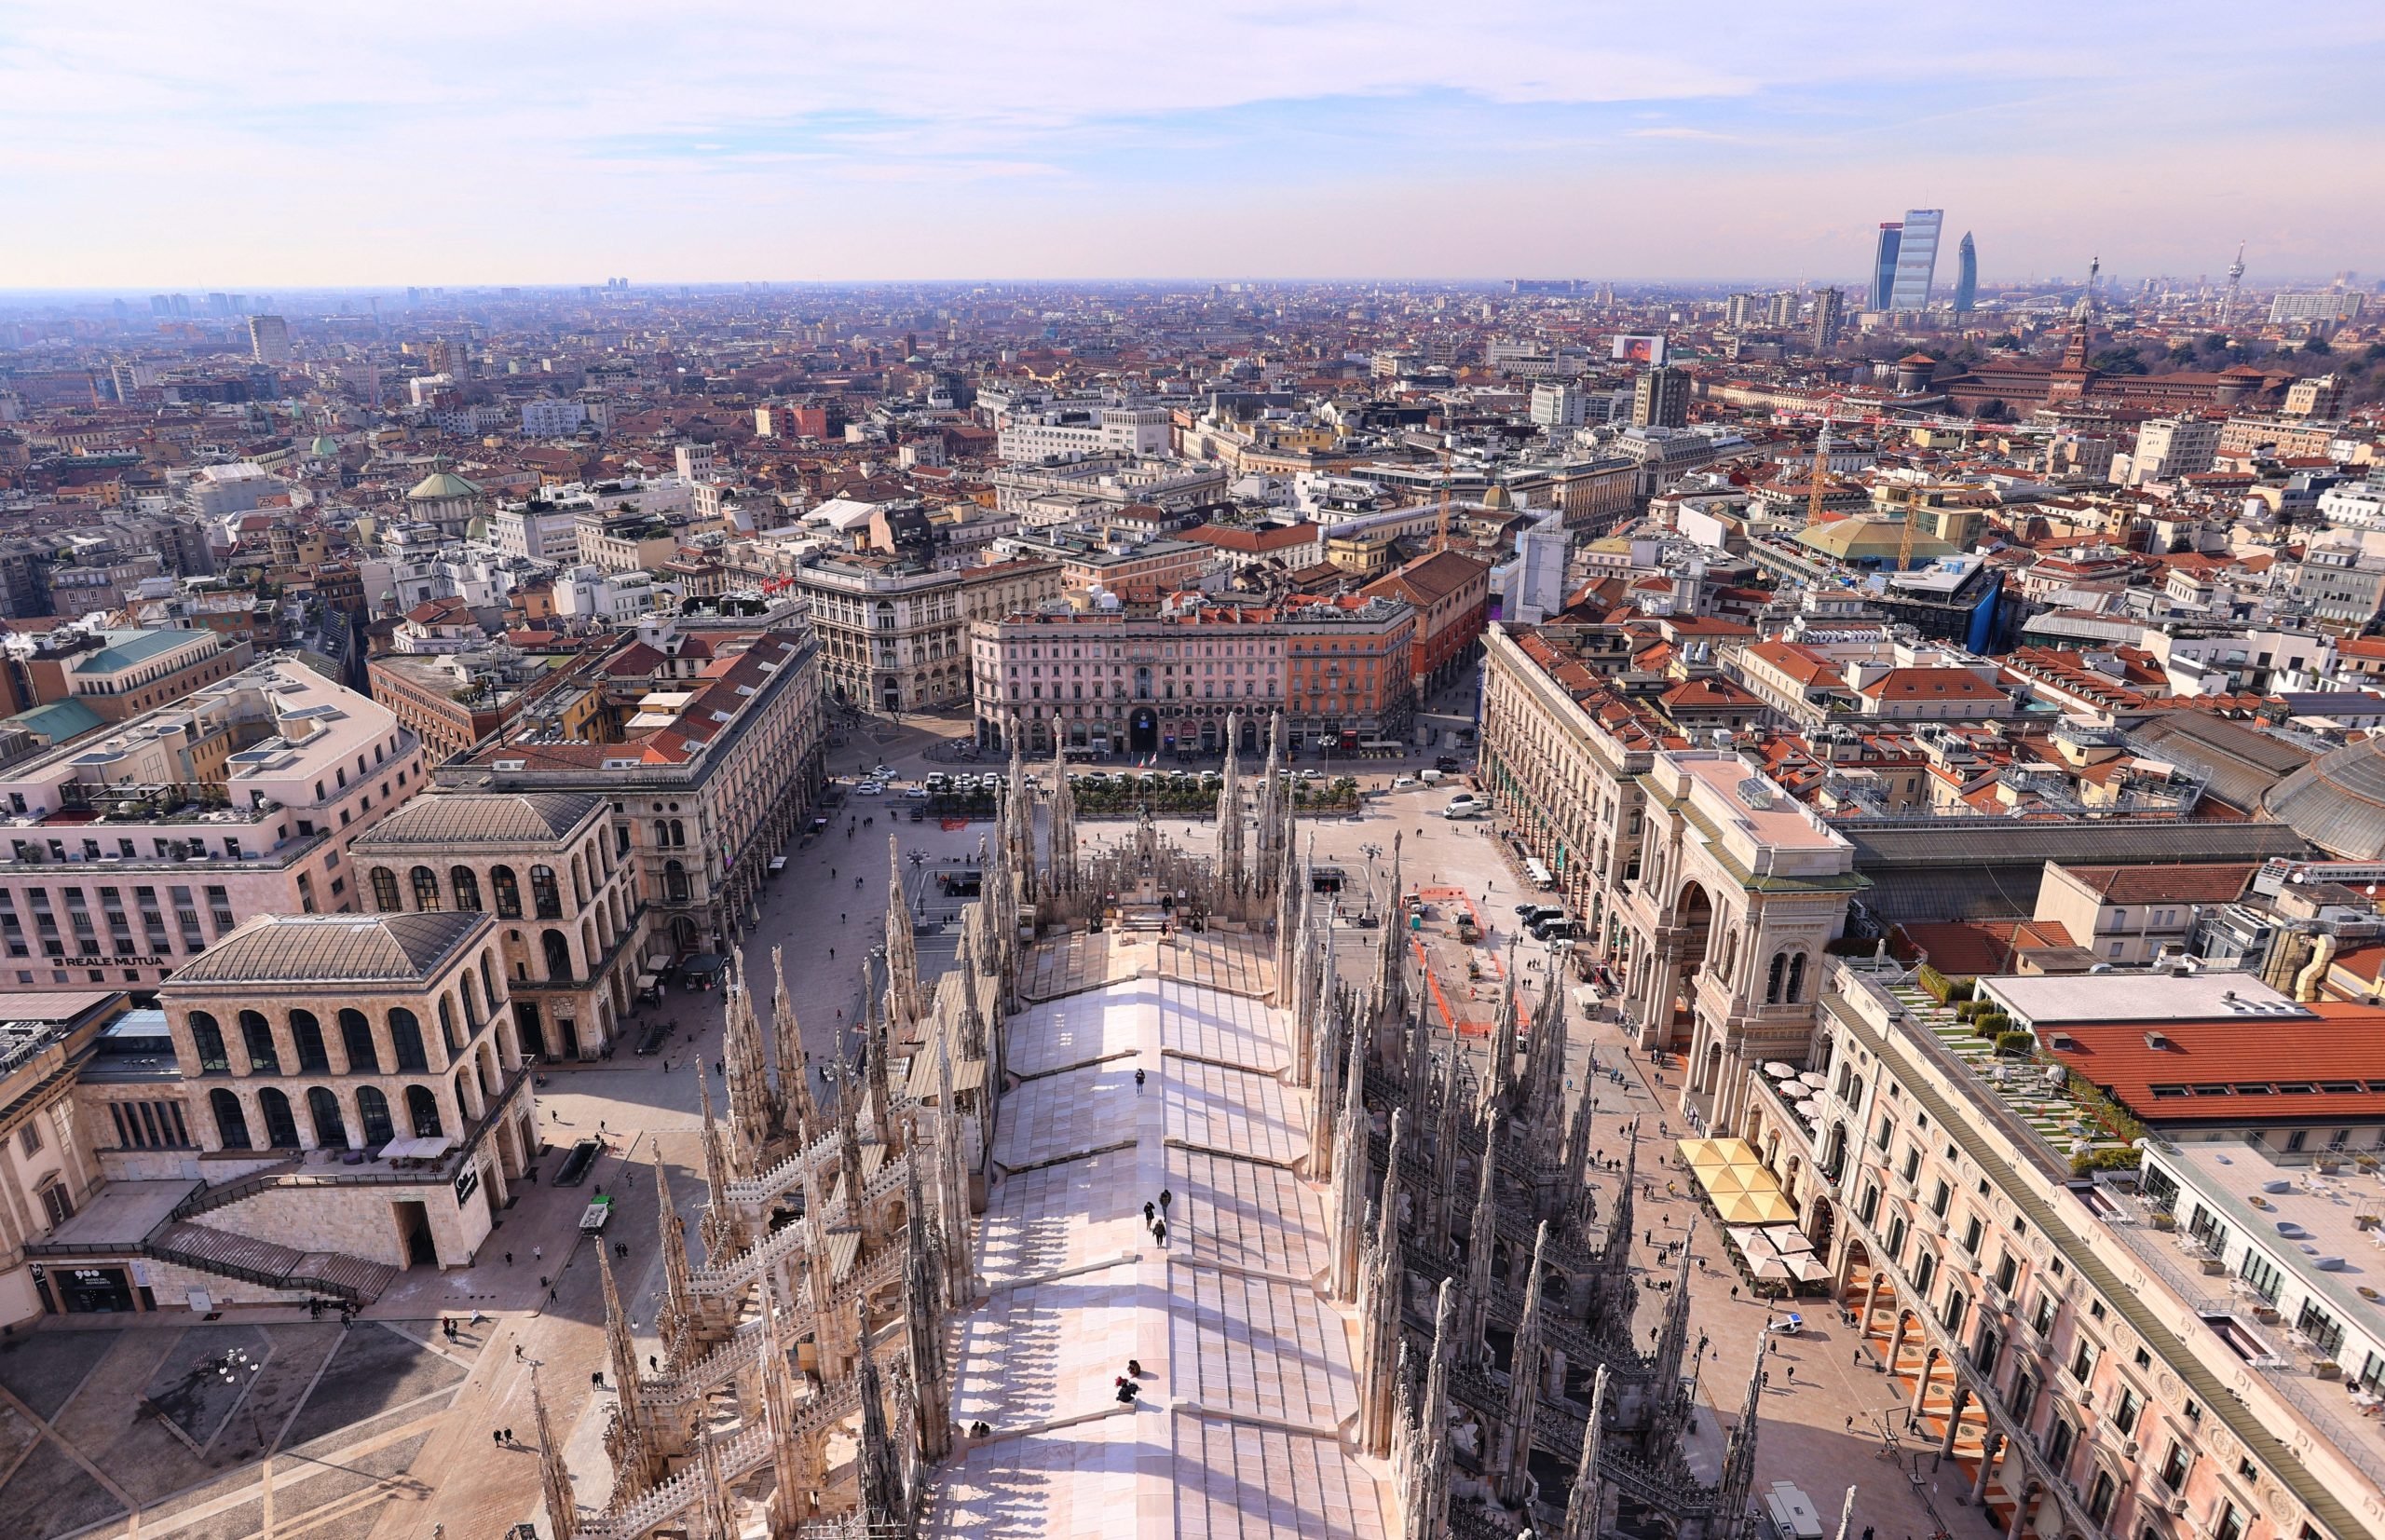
point(334, 948)
point(1983, 868)
point(479, 818)
point(2337, 801)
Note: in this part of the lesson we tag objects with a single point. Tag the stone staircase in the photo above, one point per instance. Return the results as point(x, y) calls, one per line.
point(206, 1249)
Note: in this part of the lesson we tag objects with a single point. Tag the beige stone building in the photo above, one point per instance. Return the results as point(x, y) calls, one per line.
point(2077, 1371)
point(389, 1037)
point(570, 921)
point(705, 739)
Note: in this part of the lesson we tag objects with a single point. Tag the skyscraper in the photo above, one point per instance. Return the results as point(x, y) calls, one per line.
point(1830, 307)
point(1883, 264)
point(1965, 276)
point(1916, 259)
point(269, 339)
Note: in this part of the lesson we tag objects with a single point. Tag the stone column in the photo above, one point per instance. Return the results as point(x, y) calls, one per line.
point(1955, 1408)
point(1895, 1345)
point(1921, 1386)
point(1991, 1445)
point(2021, 1512)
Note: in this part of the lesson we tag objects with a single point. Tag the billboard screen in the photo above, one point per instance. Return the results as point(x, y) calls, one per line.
point(1630, 347)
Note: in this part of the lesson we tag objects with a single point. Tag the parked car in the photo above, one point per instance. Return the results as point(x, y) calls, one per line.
point(1447, 764)
point(1401, 783)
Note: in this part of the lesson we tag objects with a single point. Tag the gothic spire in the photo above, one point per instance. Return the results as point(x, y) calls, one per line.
point(1731, 1515)
point(1064, 824)
point(1615, 1258)
point(1584, 1512)
point(1441, 1221)
point(751, 1116)
point(723, 1231)
point(555, 1481)
point(678, 1312)
point(1425, 1514)
point(1388, 945)
point(1232, 878)
point(849, 1142)
point(1515, 1482)
point(1350, 1173)
point(800, 1114)
point(1497, 1086)
point(1416, 1060)
point(1379, 1303)
point(1018, 829)
point(1481, 1240)
point(878, 1463)
point(820, 1280)
point(878, 1036)
point(923, 1319)
point(901, 951)
point(952, 1184)
point(790, 1460)
point(629, 1440)
point(718, 1503)
point(1573, 1191)
point(1671, 1408)
point(971, 1023)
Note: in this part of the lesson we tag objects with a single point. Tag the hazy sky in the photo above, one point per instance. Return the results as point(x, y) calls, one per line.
point(250, 144)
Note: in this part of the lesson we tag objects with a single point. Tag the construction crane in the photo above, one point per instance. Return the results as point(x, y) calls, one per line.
point(1822, 464)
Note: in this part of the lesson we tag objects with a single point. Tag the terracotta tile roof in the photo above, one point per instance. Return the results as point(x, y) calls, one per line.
point(2219, 882)
point(2330, 1063)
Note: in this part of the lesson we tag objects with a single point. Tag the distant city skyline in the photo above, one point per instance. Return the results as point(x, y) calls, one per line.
point(159, 147)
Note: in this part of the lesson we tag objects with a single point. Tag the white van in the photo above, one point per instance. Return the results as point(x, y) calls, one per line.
point(1462, 806)
point(1431, 777)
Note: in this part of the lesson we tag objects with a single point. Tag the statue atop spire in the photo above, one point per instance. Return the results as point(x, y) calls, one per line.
point(1731, 1515)
point(923, 1265)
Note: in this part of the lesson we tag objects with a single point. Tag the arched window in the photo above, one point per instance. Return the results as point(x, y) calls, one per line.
point(578, 884)
point(208, 1038)
point(426, 889)
point(231, 1123)
point(308, 1033)
point(468, 888)
point(363, 1058)
point(281, 1128)
point(507, 892)
point(489, 984)
point(256, 1035)
point(1925, 1272)
point(447, 1026)
point(1796, 977)
point(1775, 978)
point(544, 895)
point(675, 882)
point(384, 891)
point(558, 952)
point(324, 1108)
point(405, 1036)
point(471, 1006)
point(463, 1102)
point(422, 1110)
point(372, 1116)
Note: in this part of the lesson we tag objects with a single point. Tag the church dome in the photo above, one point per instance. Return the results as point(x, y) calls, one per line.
point(440, 484)
point(2337, 801)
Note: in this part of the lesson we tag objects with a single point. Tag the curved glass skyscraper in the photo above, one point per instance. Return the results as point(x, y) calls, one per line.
point(1965, 276)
